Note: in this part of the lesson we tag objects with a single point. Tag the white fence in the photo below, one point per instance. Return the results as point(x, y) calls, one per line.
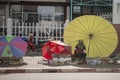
point(107, 16)
point(43, 31)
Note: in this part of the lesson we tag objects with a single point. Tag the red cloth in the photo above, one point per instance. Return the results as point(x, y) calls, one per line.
point(79, 50)
point(31, 45)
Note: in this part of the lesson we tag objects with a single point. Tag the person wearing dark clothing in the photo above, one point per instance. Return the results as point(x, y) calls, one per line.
point(80, 51)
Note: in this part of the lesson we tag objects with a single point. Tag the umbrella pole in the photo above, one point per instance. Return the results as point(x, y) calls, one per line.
point(90, 37)
point(89, 47)
point(48, 62)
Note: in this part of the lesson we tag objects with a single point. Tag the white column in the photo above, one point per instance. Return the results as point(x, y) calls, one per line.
point(66, 23)
point(3, 25)
point(7, 11)
point(9, 27)
point(37, 33)
point(116, 12)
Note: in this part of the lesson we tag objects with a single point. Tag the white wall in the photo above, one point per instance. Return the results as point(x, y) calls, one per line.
point(116, 12)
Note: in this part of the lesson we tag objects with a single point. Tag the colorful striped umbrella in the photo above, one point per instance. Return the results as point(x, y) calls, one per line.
point(11, 46)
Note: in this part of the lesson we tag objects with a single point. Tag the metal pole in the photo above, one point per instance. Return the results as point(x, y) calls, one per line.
point(71, 9)
point(90, 37)
point(89, 48)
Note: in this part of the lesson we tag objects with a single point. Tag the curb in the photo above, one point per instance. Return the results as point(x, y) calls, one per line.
point(89, 70)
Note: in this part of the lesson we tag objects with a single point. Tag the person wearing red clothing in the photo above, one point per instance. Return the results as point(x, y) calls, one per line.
point(31, 41)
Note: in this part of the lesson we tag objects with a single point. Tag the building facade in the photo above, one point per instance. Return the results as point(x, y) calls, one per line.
point(27, 13)
point(56, 10)
point(33, 11)
point(52, 10)
point(90, 7)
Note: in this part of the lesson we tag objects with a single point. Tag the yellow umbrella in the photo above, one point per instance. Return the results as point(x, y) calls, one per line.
point(98, 34)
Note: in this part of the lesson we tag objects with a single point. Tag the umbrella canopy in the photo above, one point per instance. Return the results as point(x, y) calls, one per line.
point(46, 53)
point(98, 34)
point(52, 47)
point(56, 46)
point(11, 46)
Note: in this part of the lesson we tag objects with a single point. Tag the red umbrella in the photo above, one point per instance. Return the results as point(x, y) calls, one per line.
point(56, 46)
point(52, 47)
point(46, 53)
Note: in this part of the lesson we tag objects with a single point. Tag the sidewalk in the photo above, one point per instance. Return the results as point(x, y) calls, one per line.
point(32, 66)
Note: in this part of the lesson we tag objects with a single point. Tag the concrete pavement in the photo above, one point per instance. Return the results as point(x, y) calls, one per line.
point(60, 76)
point(33, 65)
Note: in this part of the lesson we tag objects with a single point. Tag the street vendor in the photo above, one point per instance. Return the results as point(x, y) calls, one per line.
point(80, 51)
point(31, 41)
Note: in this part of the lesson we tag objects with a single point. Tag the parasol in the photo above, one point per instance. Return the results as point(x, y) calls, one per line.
point(98, 34)
point(53, 47)
point(11, 46)
point(56, 46)
point(46, 53)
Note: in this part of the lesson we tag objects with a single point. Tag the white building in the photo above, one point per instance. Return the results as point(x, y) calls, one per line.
point(34, 10)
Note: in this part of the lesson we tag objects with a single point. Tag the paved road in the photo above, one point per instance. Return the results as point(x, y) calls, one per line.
point(60, 76)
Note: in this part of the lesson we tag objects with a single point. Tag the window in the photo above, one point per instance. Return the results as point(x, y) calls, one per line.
point(34, 13)
point(2, 15)
point(16, 13)
point(59, 17)
point(77, 9)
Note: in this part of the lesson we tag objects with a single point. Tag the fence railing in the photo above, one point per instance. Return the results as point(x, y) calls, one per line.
point(42, 31)
point(107, 16)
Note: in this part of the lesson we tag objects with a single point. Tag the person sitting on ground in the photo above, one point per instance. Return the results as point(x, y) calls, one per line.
point(80, 51)
point(31, 41)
